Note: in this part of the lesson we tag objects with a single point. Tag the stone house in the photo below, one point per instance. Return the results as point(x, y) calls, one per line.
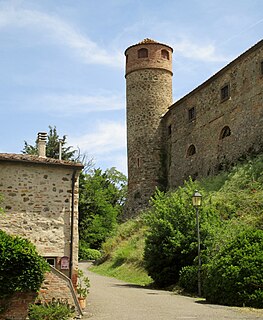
point(40, 202)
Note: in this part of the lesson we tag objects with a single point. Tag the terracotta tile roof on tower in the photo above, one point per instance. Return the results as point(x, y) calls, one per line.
point(147, 40)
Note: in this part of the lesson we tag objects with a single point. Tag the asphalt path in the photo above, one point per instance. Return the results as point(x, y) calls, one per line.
point(111, 299)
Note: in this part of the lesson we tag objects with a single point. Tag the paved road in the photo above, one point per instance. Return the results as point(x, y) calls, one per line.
point(111, 299)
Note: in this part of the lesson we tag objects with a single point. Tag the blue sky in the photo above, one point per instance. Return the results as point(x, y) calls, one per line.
point(62, 62)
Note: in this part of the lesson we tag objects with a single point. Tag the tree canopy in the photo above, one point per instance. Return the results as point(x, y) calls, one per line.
point(52, 147)
point(102, 196)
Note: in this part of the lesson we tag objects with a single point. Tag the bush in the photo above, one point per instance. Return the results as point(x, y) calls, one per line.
point(171, 242)
point(21, 267)
point(235, 274)
point(54, 310)
point(86, 253)
point(189, 279)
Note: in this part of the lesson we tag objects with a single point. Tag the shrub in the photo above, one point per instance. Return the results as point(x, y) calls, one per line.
point(85, 253)
point(188, 279)
point(171, 242)
point(235, 274)
point(54, 310)
point(21, 267)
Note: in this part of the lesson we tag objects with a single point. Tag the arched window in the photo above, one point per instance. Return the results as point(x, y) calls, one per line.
point(165, 54)
point(143, 53)
point(191, 151)
point(225, 132)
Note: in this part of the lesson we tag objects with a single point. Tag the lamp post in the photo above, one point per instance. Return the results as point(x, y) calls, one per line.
point(197, 202)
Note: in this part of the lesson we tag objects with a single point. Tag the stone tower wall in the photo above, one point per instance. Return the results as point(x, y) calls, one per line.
point(149, 94)
point(242, 112)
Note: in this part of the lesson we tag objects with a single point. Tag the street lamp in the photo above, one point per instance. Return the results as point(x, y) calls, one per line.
point(197, 202)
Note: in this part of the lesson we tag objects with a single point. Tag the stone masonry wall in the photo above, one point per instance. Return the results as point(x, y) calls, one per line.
point(37, 206)
point(149, 94)
point(242, 113)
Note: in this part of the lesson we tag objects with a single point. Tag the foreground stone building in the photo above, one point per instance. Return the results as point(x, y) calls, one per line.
point(210, 128)
point(40, 202)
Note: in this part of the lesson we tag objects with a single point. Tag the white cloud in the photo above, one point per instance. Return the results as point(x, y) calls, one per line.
point(68, 104)
point(189, 49)
point(117, 160)
point(109, 137)
point(61, 32)
point(106, 144)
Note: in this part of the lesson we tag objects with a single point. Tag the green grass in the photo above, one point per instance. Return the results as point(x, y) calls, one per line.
point(124, 254)
point(127, 272)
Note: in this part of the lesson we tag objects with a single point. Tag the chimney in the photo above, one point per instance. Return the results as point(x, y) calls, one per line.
point(41, 143)
point(60, 141)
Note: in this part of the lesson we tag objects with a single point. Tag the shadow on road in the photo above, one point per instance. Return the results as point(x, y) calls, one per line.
point(129, 285)
point(154, 291)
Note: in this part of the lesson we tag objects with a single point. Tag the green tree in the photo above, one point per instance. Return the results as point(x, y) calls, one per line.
point(52, 148)
point(101, 199)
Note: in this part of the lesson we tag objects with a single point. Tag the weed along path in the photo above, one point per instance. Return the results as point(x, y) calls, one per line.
point(111, 299)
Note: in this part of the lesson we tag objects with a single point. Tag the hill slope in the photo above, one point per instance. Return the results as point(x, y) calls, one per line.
point(236, 197)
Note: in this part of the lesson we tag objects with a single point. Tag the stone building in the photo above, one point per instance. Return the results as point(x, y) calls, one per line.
point(40, 202)
point(211, 127)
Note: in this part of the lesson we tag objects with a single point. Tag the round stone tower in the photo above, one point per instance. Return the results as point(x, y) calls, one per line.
point(148, 94)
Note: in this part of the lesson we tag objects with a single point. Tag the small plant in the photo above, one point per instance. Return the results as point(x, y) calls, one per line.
point(83, 285)
point(53, 310)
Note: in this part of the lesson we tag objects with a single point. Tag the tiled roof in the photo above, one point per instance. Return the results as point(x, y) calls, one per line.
point(147, 40)
point(36, 159)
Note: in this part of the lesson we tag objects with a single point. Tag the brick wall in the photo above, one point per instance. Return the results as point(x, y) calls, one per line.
point(17, 306)
point(57, 285)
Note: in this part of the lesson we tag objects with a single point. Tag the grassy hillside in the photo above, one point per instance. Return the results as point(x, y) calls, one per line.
point(123, 254)
point(236, 196)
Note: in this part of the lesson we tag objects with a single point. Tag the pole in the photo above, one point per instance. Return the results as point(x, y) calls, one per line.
point(199, 255)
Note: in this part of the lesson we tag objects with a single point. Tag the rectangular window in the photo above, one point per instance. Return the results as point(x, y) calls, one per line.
point(51, 261)
point(191, 114)
point(225, 92)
